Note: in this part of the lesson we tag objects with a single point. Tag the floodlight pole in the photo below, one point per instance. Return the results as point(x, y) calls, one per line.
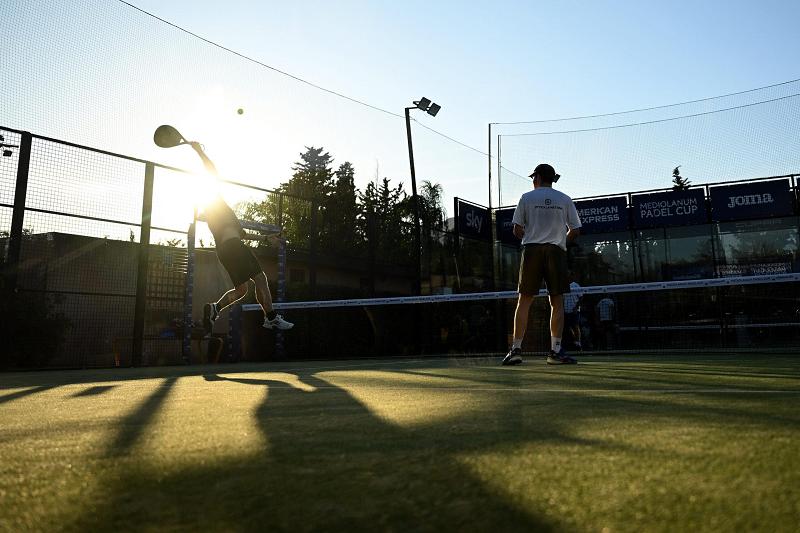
point(415, 206)
point(490, 165)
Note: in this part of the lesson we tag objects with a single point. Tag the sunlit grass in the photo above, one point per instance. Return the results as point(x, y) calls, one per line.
point(628, 444)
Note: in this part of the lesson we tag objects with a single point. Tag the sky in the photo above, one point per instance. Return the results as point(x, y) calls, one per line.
point(104, 74)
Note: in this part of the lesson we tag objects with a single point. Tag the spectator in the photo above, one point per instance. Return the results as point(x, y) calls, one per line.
point(572, 308)
point(607, 322)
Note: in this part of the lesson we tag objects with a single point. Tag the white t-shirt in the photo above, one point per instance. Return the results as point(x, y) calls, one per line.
point(571, 298)
point(546, 213)
point(605, 309)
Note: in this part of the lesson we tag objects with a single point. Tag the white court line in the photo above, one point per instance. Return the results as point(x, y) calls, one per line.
point(360, 365)
point(546, 391)
point(491, 366)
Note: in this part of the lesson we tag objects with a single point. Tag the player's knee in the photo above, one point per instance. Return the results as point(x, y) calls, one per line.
point(525, 301)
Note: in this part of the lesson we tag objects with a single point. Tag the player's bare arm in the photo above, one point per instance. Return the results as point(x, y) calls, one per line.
point(571, 234)
point(206, 161)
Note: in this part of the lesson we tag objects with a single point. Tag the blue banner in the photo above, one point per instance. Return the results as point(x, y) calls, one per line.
point(751, 200)
point(603, 215)
point(504, 228)
point(474, 221)
point(672, 208)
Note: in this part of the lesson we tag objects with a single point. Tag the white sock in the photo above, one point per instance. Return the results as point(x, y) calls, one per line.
point(517, 344)
point(555, 344)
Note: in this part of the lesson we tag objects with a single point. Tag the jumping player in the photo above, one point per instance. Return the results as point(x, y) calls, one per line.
point(237, 259)
point(545, 219)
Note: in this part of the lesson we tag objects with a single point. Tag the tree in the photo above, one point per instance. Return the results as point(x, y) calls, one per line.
point(431, 209)
point(384, 218)
point(309, 186)
point(350, 222)
point(341, 212)
point(679, 183)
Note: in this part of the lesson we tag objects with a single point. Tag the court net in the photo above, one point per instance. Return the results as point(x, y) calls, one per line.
point(746, 313)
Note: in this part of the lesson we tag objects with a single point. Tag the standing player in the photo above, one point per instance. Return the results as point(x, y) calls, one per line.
point(545, 219)
point(237, 258)
point(606, 319)
point(572, 309)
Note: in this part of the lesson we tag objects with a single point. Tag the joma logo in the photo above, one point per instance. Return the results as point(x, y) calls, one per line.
point(750, 199)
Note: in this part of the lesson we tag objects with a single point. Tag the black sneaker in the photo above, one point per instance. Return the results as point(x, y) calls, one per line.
point(514, 357)
point(210, 315)
point(560, 358)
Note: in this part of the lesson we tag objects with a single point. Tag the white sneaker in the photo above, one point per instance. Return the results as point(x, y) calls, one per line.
point(277, 323)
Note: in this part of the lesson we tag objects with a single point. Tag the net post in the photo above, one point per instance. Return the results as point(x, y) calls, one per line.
point(142, 272)
point(235, 334)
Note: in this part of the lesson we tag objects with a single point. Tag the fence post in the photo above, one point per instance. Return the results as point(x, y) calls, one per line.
point(372, 248)
point(312, 270)
point(144, 264)
point(280, 352)
point(18, 216)
point(188, 296)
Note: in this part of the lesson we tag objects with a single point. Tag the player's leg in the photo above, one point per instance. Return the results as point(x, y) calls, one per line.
point(212, 310)
point(521, 313)
point(530, 279)
point(556, 321)
point(233, 256)
point(557, 285)
point(576, 332)
point(232, 296)
point(272, 320)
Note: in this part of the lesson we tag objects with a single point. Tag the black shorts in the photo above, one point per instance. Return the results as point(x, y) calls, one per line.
point(238, 260)
point(546, 262)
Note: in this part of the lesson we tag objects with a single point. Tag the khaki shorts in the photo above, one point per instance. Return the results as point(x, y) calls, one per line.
point(546, 262)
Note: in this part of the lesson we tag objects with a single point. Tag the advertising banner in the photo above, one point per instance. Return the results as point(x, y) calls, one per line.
point(671, 208)
point(603, 215)
point(751, 200)
point(474, 221)
point(504, 228)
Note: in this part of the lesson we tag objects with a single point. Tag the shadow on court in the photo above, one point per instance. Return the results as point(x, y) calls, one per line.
point(94, 391)
point(23, 393)
point(134, 425)
point(331, 463)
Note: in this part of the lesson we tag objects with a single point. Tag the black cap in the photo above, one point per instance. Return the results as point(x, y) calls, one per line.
point(545, 171)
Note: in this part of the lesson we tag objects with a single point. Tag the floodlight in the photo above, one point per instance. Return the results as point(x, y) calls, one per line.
point(423, 103)
point(433, 109)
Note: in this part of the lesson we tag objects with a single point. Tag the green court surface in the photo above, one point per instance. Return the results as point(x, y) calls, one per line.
point(697, 442)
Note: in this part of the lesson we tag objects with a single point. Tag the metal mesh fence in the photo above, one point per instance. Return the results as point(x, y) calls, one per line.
point(93, 294)
point(8, 169)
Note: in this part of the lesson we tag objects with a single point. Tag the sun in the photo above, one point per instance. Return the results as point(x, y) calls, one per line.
point(178, 197)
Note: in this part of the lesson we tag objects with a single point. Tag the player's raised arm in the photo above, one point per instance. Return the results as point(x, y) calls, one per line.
point(206, 161)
